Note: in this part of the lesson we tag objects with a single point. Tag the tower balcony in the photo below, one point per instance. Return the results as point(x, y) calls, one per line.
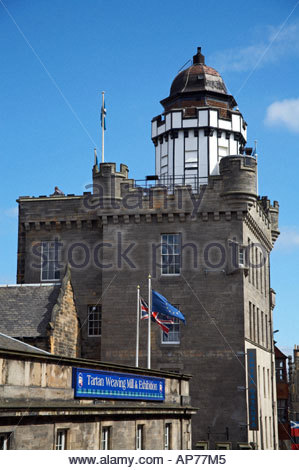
point(171, 182)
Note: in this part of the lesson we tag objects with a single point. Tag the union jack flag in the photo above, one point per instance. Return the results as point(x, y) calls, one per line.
point(155, 317)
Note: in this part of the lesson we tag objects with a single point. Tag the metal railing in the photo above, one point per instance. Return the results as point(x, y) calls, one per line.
point(171, 182)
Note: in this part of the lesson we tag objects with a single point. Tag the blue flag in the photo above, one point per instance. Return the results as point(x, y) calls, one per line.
point(161, 305)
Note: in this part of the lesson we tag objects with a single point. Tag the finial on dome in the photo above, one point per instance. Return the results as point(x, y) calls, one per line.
point(198, 58)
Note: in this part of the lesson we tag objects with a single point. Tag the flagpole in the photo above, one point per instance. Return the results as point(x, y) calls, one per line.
point(257, 181)
point(137, 329)
point(103, 124)
point(149, 321)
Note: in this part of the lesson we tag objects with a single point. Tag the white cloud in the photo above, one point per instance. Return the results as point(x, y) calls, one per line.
point(274, 46)
point(288, 239)
point(285, 112)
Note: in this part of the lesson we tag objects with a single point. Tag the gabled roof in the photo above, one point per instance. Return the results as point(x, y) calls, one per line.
point(12, 344)
point(279, 353)
point(25, 310)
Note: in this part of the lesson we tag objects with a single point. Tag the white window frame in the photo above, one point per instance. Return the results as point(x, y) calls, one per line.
point(202, 445)
point(174, 330)
point(140, 437)
point(223, 151)
point(244, 446)
point(105, 438)
point(60, 443)
point(242, 257)
point(45, 252)
point(171, 251)
point(167, 436)
point(4, 441)
point(223, 445)
point(91, 322)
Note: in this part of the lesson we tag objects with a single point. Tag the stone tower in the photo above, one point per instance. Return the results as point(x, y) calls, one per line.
point(200, 125)
point(203, 233)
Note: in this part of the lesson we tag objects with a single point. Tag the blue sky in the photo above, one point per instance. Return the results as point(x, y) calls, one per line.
point(57, 57)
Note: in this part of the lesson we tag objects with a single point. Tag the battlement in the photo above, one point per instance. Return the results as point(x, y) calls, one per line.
point(272, 211)
point(239, 178)
point(109, 168)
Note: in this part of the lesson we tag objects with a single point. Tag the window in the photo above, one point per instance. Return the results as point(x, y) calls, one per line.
point(251, 264)
point(139, 437)
point(4, 441)
point(248, 255)
point(171, 253)
point(264, 382)
point(244, 446)
point(266, 330)
point(258, 324)
point(282, 410)
point(223, 445)
point(61, 439)
point(50, 261)
point(241, 256)
point(222, 151)
point(167, 436)
point(270, 431)
point(265, 275)
point(173, 336)
point(250, 322)
point(261, 271)
point(105, 438)
point(254, 322)
point(266, 432)
point(279, 366)
point(262, 325)
point(256, 268)
point(94, 320)
point(202, 445)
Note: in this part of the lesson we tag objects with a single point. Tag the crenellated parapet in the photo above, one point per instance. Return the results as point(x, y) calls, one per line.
point(239, 178)
point(272, 210)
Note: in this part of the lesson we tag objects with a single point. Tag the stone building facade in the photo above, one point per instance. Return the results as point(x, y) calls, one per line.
point(294, 385)
point(39, 410)
point(203, 233)
point(283, 399)
point(43, 315)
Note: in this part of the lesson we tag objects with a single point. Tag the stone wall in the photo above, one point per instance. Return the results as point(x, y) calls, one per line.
point(64, 328)
point(37, 400)
point(213, 298)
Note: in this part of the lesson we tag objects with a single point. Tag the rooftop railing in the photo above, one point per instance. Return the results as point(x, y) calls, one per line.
point(171, 182)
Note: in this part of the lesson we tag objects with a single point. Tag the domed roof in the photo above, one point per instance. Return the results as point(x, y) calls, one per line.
point(198, 77)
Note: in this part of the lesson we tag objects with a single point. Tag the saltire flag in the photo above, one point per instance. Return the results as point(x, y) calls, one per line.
point(155, 317)
point(103, 115)
point(161, 305)
point(294, 424)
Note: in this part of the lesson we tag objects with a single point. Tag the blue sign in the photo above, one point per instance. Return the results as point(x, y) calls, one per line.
point(89, 383)
point(252, 390)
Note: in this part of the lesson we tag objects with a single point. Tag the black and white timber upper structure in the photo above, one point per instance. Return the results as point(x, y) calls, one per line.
point(200, 125)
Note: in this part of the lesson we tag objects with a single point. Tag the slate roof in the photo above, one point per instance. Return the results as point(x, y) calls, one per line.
point(25, 310)
point(12, 344)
